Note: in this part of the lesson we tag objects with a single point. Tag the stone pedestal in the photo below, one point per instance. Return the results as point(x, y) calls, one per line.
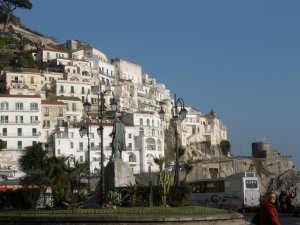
point(118, 173)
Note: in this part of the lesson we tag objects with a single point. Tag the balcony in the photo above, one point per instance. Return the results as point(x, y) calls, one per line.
point(19, 122)
point(20, 135)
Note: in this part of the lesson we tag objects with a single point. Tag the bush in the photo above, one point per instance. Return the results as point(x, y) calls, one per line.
point(179, 195)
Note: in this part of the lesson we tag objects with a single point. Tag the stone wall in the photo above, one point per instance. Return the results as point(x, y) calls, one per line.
point(267, 170)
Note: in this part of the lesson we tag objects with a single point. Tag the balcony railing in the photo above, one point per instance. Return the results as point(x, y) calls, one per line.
point(20, 122)
point(20, 135)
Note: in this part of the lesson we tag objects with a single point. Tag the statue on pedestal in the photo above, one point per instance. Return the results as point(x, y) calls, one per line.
point(118, 173)
point(118, 139)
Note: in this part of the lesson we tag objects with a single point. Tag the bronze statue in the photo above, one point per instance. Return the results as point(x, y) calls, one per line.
point(118, 139)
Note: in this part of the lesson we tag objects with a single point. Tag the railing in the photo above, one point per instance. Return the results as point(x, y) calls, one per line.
point(22, 135)
point(20, 122)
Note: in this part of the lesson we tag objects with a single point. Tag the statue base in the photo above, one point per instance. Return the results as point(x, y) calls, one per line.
point(118, 173)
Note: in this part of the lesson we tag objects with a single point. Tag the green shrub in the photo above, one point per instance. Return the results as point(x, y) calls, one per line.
point(179, 195)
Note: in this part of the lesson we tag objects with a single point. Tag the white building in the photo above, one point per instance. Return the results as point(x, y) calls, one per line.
point(20, 119)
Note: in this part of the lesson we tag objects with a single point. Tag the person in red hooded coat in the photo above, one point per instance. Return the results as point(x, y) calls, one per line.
point(267, 214)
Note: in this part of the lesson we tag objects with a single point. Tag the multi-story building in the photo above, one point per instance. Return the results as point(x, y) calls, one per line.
point(20, 118)
point(148, 139)
point(69, 78)
point(52, 111)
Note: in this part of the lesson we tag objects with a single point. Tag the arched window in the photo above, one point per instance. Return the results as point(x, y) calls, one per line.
point(150, 144)
point(132, 158)
point(148, 122)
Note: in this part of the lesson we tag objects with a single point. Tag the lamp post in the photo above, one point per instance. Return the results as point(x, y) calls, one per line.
point(101, 110)
point(176, 116)
point(85, 130)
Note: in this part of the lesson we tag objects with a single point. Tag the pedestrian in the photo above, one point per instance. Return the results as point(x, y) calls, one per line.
point(282, 201)
point(267, 214)
point(288, 200)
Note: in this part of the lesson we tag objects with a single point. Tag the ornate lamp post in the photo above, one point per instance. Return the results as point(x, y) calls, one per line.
point(176, 116)
point(101, 110)
point(85, 130)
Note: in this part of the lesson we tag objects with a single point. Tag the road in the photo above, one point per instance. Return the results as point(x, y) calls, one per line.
point(285, 219)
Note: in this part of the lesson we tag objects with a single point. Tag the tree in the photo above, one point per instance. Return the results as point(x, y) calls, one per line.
point(225, 147)
point(8, 6)
point(2, 145)
point(187, 169)
point(54, 172)
point(34, 159)
point(160, 162)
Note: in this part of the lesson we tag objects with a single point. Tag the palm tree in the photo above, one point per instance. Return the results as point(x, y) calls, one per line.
point(187, 169)
point(160, 162)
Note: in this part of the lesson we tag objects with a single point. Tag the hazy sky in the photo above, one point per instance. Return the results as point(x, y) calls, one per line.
point(240, 58)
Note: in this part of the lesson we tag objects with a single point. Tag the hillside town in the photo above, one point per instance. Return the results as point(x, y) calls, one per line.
point(45, 104)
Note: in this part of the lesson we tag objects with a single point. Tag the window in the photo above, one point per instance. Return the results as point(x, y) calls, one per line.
point(251, 184)
point(60, 112)
point(132, 158)
point(81, 158)
point(19, 106)
point(34, 142)
point(148, 122)
point(80, 146)
point(19, 119)
point(46, 124)
point(4, 131)
point(129, 146)
point(72, 90)
point(4, 106)
point(19, 131)
point(71, 134)
point(92, 146)
point(31, 80)
point(129, 136)
point(74, 107)
point(34, 106)
point(61, 89)
point(46, 111)
point(71, 144)
point(4, 119)
point(34, 133)
point(19, 144)
point(141, 122)
point(82, 90)
point(34, 119)
point(48, 55)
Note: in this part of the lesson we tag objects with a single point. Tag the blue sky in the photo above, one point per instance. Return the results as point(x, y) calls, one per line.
point(240, 58)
